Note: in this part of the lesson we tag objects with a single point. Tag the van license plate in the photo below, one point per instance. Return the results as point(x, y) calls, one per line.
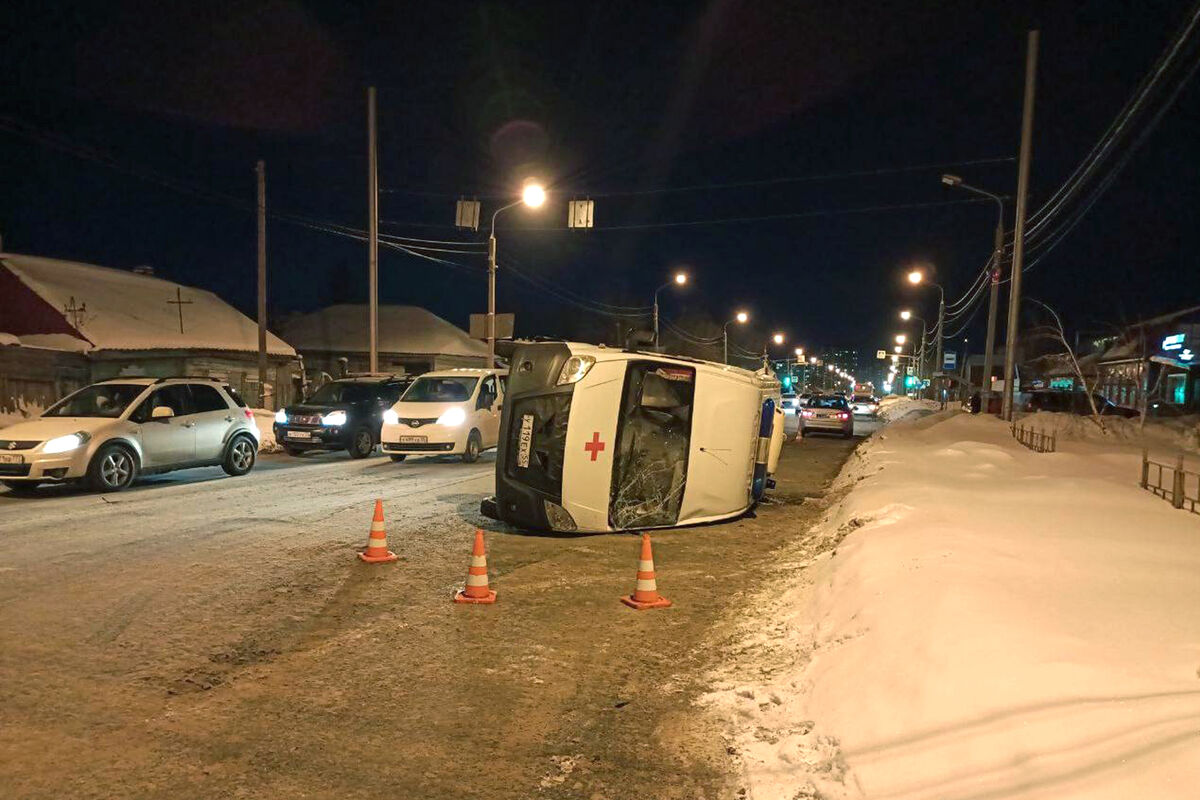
point(5, 458)
point(299, 435)
point(414, 439)
point(525, 441)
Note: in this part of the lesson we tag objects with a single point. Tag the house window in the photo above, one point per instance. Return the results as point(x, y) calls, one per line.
point(1177, 388)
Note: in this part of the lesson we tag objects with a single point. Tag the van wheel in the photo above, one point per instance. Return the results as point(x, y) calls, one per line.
point(363, 444)
point(474, 448)
point(113, 468)
point(239, 456)
point(398, 457)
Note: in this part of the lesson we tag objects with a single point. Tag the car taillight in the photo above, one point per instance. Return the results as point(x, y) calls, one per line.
point(806, 413)
point(843, 415)
point(249, 414)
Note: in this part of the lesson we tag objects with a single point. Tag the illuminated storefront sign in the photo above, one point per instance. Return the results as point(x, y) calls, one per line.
point(1174, 341)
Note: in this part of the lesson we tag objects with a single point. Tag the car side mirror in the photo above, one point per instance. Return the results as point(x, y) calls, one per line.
point(163, 413)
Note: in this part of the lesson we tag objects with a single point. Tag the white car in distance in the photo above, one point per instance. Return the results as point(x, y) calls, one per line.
point(446, 412)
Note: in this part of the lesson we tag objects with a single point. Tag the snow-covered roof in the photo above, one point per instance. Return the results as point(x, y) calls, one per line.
point(131, 311)
point(402, 330)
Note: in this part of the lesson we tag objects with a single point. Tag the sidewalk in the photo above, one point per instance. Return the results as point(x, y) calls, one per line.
point(996, 623)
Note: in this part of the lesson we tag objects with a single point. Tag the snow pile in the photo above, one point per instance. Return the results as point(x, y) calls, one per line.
point(402, 329)
point(996, 623)
point(892, 408)
point(264, 419)
point(1171, 434)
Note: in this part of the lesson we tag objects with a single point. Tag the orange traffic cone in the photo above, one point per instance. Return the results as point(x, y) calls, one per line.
point(646, 594)
point(476, 590)
point(377, 552)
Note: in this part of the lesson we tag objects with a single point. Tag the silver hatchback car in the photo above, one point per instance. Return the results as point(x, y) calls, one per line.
point(108, 433)
point(827, 413)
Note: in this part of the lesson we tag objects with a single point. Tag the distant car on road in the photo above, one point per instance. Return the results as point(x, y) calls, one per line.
point(789, 403)
point(345, 414)
point(864, 404)
point(108, 433)
point(1074, 402)
point(449, 412)
point(828, 413)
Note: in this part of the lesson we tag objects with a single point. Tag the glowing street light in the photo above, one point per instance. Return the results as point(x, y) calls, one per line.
point(533, 195)
point(741, 318)
point(906, 315)
point(915, 277)
point(679, 279)
point(777, 338)
point(901, 338)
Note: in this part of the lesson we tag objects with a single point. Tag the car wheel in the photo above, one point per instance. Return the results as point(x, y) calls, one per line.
point(474, 448)
point(113, 468)
point(293, 451)
point(240, 456)
point(363, 444)
point(22, 487)
point(398, 457)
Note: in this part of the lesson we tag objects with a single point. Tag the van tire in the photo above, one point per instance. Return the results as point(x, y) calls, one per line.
point(474, 447)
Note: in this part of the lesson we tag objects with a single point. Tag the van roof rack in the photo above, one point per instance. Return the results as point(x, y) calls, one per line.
point(190, 378)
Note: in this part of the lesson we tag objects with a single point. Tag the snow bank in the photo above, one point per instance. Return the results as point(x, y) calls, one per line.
point(996, 623)
point(264, 419)
point(1173, 434)
point(892, 408)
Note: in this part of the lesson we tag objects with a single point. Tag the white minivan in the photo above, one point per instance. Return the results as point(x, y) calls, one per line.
point(446, 412)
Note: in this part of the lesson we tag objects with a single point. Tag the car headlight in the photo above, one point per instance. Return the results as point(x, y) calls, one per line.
point(334, 418)
point(452, 417)
point(281, 417)
point(62, 444)
point(390, 417)
point(574, 370)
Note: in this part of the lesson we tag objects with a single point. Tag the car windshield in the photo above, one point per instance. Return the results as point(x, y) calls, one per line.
point(440, 390)
point(102, 400)
point(341, 392)
point(827, 401)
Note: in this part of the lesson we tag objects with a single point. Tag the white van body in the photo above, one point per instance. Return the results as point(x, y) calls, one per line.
point(446, 412)
point(650, 440)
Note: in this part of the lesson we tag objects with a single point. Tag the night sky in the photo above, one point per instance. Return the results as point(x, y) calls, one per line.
point(612, 100)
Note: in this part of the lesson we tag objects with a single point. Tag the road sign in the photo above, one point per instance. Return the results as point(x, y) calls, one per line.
point(881, 353)
point(467, 214)
point(949, 360)
point(505, 323)
point(579, 213)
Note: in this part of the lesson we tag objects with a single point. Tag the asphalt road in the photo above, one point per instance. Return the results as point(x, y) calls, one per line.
point(202, 636)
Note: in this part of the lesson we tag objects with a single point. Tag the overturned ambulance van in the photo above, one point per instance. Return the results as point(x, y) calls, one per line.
point(601, 439)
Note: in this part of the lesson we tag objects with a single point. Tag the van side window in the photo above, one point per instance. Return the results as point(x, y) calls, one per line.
point(487, 393)
point(653, 438)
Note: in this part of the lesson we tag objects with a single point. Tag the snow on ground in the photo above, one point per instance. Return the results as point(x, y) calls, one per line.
point(996, 623)
point(1159, 435)
point(264, 419)
point(893, 407)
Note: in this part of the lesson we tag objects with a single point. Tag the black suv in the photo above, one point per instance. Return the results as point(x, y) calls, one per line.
point(345, 414)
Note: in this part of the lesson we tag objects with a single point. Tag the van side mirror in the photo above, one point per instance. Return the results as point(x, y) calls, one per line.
point(163, 413)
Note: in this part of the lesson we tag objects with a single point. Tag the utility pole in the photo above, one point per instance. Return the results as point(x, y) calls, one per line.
point(938, 367)
point(260, 171)
point(985, 390)
point(373, 230)
point(1014, 297)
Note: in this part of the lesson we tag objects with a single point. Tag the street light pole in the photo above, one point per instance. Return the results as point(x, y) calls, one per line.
point(996, 268)
point(372, 233)
point(679, 279)
point(491, 312)
point(740, 317)
point(1014, 297)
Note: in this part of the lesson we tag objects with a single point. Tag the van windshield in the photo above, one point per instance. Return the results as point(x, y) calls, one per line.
point(653, 436)
point(440, 390)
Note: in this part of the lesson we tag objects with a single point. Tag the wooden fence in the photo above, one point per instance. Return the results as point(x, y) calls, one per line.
point(1171, 482)
point(1037, 441)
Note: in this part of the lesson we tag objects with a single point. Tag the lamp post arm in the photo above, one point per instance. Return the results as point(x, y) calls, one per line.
point(496, 213)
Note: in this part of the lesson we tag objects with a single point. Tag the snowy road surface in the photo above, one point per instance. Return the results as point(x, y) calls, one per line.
point(205, 636)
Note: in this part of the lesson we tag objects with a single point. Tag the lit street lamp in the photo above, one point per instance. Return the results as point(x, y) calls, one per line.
point(679, 279)
point(532, 196)
point(901, 338)
point(741, 318)
point(906, 316)
point(985, 390)
point(916, 277)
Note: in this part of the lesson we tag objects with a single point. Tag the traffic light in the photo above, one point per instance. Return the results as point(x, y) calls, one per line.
point(787, 381)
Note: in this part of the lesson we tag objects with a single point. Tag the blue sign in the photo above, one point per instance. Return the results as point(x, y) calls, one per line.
point(1173, 342)
point(949, 360)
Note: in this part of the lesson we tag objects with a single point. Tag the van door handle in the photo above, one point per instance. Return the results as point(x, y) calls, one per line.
point(229, 419)
point(189, 424)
